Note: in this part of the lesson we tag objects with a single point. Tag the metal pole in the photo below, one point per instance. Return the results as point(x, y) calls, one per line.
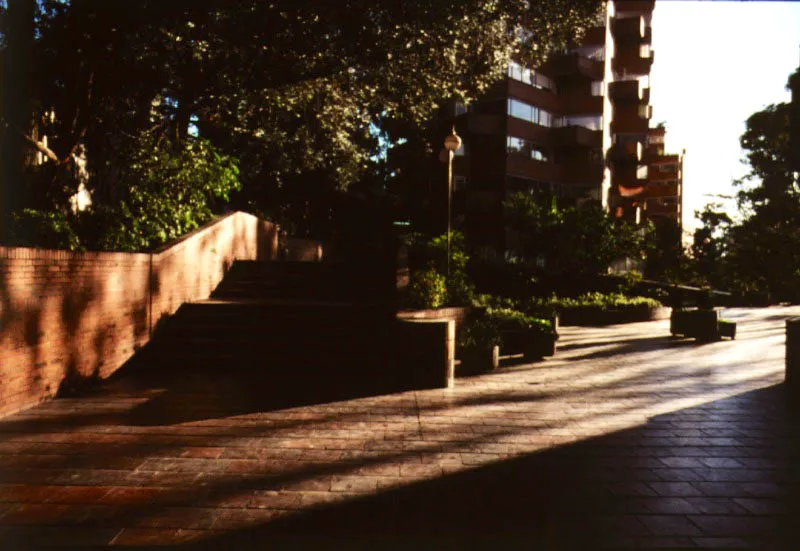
point(450, 155)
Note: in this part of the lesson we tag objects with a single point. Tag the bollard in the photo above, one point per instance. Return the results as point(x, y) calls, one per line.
point(793, 355)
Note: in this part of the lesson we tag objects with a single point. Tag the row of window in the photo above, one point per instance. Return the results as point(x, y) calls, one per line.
point(537, 80)
point(537, 115)
point(527, 148)
point(529, 76)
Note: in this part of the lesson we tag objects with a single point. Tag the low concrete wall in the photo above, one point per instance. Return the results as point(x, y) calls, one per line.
point(425, 350)
point(77, 316)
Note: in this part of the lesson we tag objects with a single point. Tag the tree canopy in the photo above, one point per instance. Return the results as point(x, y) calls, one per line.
point(757, 256)
point(296, 90)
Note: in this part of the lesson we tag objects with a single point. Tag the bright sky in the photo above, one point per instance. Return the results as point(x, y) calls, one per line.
point(716, 63)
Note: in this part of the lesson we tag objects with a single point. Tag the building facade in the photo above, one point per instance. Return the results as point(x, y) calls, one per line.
point(576, 129)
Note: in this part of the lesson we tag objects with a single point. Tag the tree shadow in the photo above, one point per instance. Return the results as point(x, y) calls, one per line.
point(627, 489)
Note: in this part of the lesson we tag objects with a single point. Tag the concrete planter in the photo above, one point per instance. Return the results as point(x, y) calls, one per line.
point(533, 344)
point(479, 360)
point(701, 324)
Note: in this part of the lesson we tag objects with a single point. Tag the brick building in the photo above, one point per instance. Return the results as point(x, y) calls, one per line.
point(577, 129)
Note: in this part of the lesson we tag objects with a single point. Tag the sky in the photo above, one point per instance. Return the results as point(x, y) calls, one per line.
point(716, 63)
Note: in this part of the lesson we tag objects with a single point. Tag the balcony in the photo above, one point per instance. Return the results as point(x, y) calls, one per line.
point(628, 29)
point(582, 105)
point(661, 190)
point(582, 173)
point(596, 36)
point(572, 64)
point(577, 135)
point(628, 91)
point(529, 131)
point(630, 152)
point(532, 95)
point(628, 177)
point(637, 6)
point(520, 165)
point(658, 176)
point(632, 63)
point(627, 122)
point(655, 209)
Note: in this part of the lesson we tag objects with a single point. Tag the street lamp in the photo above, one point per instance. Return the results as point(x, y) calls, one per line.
point(451, 144)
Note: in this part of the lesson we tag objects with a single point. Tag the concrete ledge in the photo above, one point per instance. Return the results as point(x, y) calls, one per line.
point(594, 317)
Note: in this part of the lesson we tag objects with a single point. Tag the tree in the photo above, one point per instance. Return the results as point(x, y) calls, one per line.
point(570, 245)
point(759, 256)
point(710, 246)
point(295, 89)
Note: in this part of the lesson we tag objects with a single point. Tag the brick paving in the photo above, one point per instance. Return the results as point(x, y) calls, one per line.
point(625, 439)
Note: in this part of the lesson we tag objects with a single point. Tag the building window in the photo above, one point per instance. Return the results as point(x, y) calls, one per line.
point(529, 76)
point(522, 110)
point(540, 81)
point(597, 88)
point(592, 122)
point(528, 149)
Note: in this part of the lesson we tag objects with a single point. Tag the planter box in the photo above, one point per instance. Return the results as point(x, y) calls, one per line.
point(533, 344)
point(701, 324)
point(479, 360)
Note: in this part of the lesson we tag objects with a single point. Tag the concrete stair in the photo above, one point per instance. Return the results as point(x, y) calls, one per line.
point(279, 316)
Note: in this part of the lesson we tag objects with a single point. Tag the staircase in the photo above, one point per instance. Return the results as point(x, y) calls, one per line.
point(288, 333)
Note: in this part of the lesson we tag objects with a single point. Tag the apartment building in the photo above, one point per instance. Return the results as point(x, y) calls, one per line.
point(576, 129)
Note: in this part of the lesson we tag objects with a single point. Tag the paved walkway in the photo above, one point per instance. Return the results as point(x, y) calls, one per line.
point(625, 439)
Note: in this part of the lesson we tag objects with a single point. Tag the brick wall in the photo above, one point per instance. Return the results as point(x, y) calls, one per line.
point(67, 315)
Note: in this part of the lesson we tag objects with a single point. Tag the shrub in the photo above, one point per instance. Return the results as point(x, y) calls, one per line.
point(460, 290)
point(514, 320)
point(589, 301)
point(479, 333)
point(427, 289)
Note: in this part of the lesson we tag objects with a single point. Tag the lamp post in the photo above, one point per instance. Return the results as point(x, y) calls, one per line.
point(451, 144)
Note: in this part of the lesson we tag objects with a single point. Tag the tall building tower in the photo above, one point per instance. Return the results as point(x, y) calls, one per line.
point(576, 129)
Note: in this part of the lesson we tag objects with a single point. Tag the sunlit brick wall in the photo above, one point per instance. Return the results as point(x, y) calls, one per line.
point(82, 315)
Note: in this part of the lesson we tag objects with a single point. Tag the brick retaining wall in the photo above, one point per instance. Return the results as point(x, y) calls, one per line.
point(82, 315)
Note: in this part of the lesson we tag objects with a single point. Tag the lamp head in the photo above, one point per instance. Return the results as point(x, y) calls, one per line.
point(452, 142)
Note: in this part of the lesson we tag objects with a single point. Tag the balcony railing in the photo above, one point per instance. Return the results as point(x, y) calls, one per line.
point(629, 91)
point(577, 135)
point(661, 190)
point(626, 152)
point(645, 6)
point(625, 122)
point(633, 64)
point(582, 105)
point(571, 64)
point(656, 209)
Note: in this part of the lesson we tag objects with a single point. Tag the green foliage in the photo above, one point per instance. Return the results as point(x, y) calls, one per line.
point(570, 243)
point(169, 193)
point(590, 301)
point(758, 256)
point(297, 96)
point(432, 254)
point(427, 289)
point(632, 279)
point(47, 229)
point(511, 319)
point(479, 332)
